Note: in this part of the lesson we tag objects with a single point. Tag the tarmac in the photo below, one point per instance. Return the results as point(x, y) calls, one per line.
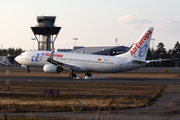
point(96, 80)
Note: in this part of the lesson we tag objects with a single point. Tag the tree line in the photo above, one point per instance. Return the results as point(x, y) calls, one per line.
point(11, 51)
point(160, 50)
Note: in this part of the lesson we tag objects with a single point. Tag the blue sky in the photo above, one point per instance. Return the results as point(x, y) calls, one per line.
point(93, 22)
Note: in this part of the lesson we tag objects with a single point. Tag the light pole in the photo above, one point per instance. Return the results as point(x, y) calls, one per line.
point(33, 41)
point(75, 40)
point(152, 49)
point(1, 45)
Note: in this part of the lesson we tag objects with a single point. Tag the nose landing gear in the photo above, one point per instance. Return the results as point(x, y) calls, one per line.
point(28, 70)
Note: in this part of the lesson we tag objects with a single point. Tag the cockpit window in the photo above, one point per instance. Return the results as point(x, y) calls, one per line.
point(23, 54)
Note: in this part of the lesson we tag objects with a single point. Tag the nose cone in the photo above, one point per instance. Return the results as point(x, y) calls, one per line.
point(17, 59)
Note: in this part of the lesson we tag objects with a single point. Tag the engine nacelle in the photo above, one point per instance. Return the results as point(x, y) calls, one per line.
point(50, 68)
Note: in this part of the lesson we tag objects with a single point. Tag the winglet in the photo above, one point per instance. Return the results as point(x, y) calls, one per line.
point(52, 54)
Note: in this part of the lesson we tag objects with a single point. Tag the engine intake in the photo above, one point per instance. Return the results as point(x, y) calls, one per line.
point(50, 68)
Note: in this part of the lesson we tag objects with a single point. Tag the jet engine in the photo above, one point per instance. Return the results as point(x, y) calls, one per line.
point(50, 68)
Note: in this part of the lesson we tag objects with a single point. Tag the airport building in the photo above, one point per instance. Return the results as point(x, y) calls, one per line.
point(100, 50)
point(45, 32)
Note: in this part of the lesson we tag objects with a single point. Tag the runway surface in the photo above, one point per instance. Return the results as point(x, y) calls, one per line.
point(145, 69)
point(95, 80)
point(158, 110)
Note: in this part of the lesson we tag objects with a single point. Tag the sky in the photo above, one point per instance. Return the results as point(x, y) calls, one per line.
point(93, 22)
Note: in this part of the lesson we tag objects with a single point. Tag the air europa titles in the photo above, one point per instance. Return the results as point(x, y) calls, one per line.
point(138, 44)
point(55, 55)
point(38, 56)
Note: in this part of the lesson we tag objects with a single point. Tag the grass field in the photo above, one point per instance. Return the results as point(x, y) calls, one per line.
point(112, 75)
point(28, 96)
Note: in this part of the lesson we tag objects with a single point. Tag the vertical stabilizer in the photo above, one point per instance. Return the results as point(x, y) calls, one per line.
point(140, 48)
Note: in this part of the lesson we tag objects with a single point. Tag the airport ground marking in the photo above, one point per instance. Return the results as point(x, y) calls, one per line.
point(113, 111)
point(138, 107)
point(72, 106)
point(171, 109)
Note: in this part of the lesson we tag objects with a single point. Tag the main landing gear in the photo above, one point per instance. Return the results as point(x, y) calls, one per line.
point(28, 70)
point(72, 75)
point(88, 74)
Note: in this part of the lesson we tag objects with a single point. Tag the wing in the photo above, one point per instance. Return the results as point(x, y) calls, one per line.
point(65, 66)
point(9, 63)
point(147, 61)
point(5, 62)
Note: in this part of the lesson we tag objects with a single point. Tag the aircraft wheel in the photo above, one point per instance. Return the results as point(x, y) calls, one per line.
point(27, 71)
point(88, 74)
point(72, 75)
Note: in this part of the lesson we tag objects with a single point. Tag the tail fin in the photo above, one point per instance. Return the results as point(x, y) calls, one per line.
point(140, 48)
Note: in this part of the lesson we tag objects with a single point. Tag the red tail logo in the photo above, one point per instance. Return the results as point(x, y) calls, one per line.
point(138, 44)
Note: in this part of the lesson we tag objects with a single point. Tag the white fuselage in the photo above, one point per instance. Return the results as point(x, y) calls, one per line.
point(85, 62)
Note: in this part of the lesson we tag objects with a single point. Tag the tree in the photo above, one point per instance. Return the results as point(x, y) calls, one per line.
point(176, 49)
point(160, 49)
point(170, 51)
point(11, 51)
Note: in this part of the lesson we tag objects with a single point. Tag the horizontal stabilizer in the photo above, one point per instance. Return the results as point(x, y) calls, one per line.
point(139, 61)
point(147, 61)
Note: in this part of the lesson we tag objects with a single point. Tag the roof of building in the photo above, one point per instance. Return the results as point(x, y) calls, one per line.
point(101, 50)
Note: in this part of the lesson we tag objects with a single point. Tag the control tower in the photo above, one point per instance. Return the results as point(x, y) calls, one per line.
point(46, 31)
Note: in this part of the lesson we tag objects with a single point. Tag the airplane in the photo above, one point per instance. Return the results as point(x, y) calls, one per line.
point(5, 63)
point(56, 62)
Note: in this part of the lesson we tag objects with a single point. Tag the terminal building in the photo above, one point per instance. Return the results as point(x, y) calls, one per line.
point(100, 50)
